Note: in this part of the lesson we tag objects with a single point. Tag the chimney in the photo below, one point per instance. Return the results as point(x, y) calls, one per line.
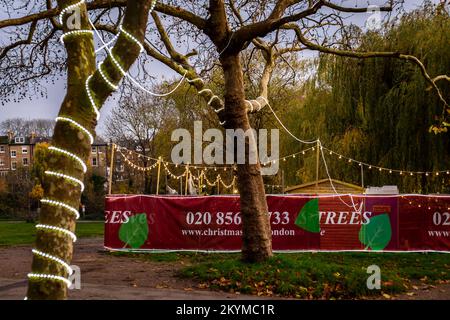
point(10, 135)
point(33, 136)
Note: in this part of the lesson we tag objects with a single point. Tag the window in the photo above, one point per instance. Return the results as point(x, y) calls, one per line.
point(2, 149)
point(25, 161)
point(100, 150)
point(13, 165)
point(24, 150)
point(121, 168)
point(94, 162)
point(19, 139)
point(2, 163)
point(94, 150)
point(13, 153)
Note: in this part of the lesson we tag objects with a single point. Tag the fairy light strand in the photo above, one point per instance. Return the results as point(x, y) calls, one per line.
point(105, 78)
point(75, 32)
point(79, 126)
point(57, 229)
point(40, 276)
point(69, 8)
point(91, 98)
point(56, 203)
point(53, 258)
point(70, 178)
point(70, 155)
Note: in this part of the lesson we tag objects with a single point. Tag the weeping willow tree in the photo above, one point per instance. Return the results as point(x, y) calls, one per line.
point(379, 110)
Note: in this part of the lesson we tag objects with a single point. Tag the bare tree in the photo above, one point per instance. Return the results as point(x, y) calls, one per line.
point(21, 127)
point(136, 124)
point(193, 38)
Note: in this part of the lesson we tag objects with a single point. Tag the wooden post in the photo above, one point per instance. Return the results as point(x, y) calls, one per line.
point(187, 180)
point(159, 174)
point(200, 182)
point(111, 169)
point(282, 182)
point(181, 185)
point(317, 165)
point(218, 184)
point(362, 177)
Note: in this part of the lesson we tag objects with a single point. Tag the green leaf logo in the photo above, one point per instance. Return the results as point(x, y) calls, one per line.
point(377, 233)
point(308, 218)
point(135, 232)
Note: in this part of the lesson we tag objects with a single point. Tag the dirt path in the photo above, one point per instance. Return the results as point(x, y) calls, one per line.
point(113, 277)
point(107, 277)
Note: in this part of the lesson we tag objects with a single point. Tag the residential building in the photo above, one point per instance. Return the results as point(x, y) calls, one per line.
point(18, 151)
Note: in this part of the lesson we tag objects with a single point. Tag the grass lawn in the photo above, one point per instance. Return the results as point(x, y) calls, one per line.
point(15, 233)
point(311, 275)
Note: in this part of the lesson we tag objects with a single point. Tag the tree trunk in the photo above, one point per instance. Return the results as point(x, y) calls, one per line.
point(81, 63)
point(256, 231)
point(76, 106)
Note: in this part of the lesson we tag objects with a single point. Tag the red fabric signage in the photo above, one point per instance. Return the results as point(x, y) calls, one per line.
point(397, 223)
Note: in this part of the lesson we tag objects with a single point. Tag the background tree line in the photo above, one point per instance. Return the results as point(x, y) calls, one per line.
point(378, 111)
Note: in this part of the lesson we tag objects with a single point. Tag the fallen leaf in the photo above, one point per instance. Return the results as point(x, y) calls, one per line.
point(410, 293)
point(415, 287)
point(386, 296)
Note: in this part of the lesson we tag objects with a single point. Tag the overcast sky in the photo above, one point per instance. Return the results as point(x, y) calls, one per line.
point(48, 108)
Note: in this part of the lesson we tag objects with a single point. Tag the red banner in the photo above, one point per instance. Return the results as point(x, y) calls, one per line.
point(332, 222)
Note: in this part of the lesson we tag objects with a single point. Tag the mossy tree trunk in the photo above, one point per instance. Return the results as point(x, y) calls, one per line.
point(76, 105)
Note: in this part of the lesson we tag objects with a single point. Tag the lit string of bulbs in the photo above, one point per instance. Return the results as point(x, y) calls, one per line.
point(187, 172)
point(106, 46)
point(383, 169)
point(429, 206)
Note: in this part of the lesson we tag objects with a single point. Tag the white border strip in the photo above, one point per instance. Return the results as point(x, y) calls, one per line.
point(275, 251)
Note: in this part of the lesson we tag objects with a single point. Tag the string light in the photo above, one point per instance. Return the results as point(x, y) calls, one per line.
point(130, 36)
point(75, 32)
point(53, 258)
point(57, 229)
point(69, 8)
point(70, 155)
point(79, 126)
point(49, 277)
point(61, 175)
point(106, 47)
point(105, 78)
point(63, 205)
point(91, 98)
point(390, 170)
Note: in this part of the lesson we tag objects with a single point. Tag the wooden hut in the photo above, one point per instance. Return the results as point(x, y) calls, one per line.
point(324, 187)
